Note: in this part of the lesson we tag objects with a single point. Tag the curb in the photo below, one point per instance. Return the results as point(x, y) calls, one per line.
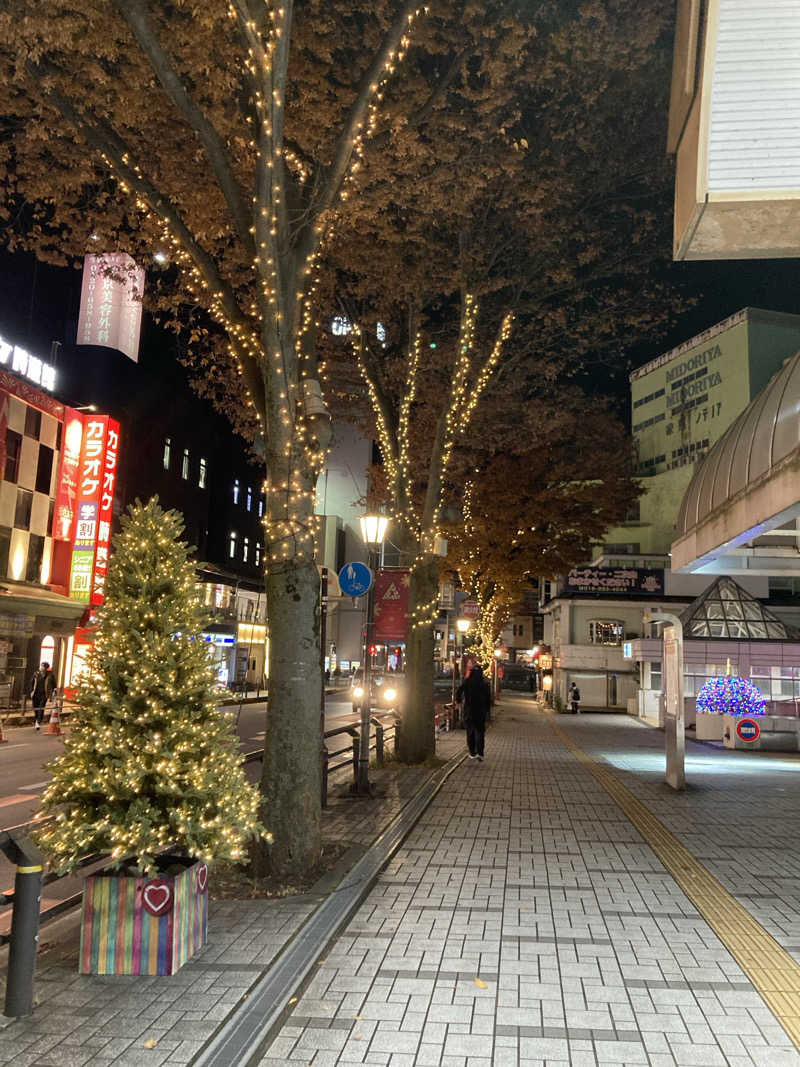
point(254, 1024)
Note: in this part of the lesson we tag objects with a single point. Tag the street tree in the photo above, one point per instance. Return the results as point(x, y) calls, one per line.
point(533, 252)
point(228, 136)
point(534, 503)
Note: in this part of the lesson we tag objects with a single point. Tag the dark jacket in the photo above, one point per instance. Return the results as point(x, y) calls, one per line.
point(42, 686)
point(474, 691)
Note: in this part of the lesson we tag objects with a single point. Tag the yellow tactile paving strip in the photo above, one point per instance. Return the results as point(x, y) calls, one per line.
point(773, 972)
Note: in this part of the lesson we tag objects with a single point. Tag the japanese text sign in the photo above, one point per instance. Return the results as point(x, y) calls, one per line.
point(111, 304)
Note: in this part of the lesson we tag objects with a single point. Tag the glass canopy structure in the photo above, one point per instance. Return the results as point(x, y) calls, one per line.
point(726, 610)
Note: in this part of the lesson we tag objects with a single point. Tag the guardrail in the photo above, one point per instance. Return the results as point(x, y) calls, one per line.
point(25, 898)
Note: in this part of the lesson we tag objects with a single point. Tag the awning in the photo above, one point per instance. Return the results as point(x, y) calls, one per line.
point(740, 513)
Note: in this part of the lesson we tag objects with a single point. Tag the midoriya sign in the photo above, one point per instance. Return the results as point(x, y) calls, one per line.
point(94, 500)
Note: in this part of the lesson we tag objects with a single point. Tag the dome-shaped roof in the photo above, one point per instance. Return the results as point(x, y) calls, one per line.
point(766, 432)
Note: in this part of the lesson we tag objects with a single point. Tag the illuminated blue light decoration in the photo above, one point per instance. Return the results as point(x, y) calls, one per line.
point(730, 696)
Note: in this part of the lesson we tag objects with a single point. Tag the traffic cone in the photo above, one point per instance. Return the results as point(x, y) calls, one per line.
point(54, 727)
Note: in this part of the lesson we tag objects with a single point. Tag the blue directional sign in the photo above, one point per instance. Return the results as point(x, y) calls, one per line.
point(355, 579)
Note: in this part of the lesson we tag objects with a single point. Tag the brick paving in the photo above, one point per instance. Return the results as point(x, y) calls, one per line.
point(525, 922)
point(80, 1019)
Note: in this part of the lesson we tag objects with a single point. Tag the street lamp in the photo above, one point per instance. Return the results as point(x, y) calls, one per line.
point(462, 626)
point(498, 653)
point(373, 531)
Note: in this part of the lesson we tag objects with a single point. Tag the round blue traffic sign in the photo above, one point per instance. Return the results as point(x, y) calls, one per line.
point(355, 579)
point(748, 729)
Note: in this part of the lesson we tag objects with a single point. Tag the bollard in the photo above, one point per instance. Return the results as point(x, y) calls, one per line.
point(24, 926)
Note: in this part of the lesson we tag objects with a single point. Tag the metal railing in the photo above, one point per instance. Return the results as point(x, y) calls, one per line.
point(30, 879)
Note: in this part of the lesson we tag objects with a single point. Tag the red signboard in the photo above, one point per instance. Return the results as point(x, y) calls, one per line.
point(67, 484)
point(469, 609)
point(391, 605)
point(111, 309)
point(97, 471)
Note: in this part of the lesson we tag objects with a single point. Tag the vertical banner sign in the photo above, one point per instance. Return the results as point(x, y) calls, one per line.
point(111, 310)
point(65, 510)
point(90, 481)
point(109, 477)
point(5, 402)
point(391, 605)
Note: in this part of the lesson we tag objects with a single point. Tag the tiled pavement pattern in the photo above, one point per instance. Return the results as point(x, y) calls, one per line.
point(524, 874)
point(739, 815)
point(107, 1020)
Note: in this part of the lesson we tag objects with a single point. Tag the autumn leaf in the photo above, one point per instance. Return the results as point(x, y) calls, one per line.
point(479, 982)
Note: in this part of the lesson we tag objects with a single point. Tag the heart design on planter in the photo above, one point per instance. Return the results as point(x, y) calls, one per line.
point(202, 878)
point(157, 897)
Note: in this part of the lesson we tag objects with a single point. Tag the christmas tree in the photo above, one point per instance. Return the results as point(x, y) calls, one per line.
point(150, 761)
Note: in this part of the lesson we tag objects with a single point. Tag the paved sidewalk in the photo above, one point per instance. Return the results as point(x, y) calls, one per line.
point(526, 922)
point(129, 1021)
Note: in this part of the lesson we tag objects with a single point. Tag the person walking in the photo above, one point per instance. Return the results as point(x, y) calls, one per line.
point(474, 691)
point(574, 699)
point(42, 688)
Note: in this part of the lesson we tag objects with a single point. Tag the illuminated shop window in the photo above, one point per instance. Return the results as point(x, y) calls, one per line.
point(201, 481)
point(232, 545)
point(236, 491)
point(185, 465)
point(167, 451)
point(249, 498)
point(246, 549)
point(605, 632)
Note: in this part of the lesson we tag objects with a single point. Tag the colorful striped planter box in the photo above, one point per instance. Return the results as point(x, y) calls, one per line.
point(136, 925)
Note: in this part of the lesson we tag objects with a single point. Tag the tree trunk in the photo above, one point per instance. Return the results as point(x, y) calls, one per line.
point(291, 779)
point(417, 735)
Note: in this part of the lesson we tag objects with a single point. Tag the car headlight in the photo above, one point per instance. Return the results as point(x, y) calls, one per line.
point(389, 695)
point(358, 692)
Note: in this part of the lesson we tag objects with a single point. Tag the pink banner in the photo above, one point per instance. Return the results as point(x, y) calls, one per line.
point(111, 309)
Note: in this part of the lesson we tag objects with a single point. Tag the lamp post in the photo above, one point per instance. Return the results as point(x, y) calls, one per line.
point(462, 627)
point(373, 531)
point(498, 652)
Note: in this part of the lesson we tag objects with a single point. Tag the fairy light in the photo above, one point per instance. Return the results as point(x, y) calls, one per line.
point(149, 761)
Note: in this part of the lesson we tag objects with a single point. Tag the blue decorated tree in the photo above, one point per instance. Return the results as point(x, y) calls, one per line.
point(730, 696)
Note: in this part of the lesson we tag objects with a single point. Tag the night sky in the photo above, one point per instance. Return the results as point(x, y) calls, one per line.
point(40, 304)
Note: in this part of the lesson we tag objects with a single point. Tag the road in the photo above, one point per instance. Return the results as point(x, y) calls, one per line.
point(23, 777)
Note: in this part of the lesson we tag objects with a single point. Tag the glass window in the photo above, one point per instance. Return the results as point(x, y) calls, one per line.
point(167, 451)
point(258, 554)
point(232, 545)
point(185, 465)
point(44, 469)
point(22, 514)
point(249, 498)
point(655, 674)
point(13, 455)
point(5, 549)
point(33, 571)
point(236, 491)
point(33, 422)
point(260, 506)
point(246, 549)
point(605, 632)
point(201, 481)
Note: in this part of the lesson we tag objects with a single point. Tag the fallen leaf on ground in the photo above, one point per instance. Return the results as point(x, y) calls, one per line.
point(293, 1000)
point(357, 1018)
point(356, 1037)
point(479, 982)
point(150, 1042)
